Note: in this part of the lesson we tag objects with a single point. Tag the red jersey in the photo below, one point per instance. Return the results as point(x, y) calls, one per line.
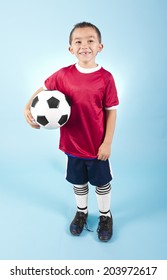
point(90, 93)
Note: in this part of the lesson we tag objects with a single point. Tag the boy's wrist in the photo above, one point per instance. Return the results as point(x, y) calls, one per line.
point(107, 142)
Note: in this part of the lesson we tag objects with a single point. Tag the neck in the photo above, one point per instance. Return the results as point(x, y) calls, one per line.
point(87, 70)
point(87, 65)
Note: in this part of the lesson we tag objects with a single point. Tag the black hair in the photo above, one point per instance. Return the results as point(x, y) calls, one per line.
point(82, 25)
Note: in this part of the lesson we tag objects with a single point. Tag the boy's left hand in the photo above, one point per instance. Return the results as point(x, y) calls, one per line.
point(104, 151)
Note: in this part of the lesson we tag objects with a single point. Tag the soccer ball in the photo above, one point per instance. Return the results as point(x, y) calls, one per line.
point(50, 109)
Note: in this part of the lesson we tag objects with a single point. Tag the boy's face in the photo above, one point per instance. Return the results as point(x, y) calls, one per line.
point(85, 45)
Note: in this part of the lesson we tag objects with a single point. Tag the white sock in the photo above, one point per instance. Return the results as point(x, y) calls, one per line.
point(81, 196)
point(103, 195)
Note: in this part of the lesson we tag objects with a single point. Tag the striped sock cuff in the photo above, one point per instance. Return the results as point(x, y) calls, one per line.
point(81, 190)
point(103, 189)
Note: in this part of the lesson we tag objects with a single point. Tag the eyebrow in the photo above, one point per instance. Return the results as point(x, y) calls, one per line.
point(79, 38)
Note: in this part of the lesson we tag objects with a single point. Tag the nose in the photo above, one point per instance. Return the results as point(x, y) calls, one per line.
point(84, 45)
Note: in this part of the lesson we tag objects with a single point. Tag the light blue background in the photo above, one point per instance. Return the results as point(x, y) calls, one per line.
point(36, 203)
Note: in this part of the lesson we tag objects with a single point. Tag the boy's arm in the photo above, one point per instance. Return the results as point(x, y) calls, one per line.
point(27, 112)
point(105, 148)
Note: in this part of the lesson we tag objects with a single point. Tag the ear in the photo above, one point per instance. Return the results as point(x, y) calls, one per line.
point(70, 50)
point(101, 46)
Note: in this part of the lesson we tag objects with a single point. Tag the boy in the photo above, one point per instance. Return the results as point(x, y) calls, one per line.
point(87, 136)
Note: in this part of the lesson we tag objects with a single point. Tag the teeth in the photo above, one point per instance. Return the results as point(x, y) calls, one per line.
point(85, 53)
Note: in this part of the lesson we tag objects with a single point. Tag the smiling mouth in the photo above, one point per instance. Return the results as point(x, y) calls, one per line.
point(84, 53)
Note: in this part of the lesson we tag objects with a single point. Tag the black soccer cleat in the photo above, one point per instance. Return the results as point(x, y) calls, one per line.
point(78, 223)
point(105, 228)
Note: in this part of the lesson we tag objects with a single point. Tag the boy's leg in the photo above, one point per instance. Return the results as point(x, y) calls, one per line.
point(81, 196)
point(103, 195)
point(77, 175)
point(105, 226)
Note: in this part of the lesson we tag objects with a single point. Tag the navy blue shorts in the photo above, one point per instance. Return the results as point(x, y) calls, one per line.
point(81, 171)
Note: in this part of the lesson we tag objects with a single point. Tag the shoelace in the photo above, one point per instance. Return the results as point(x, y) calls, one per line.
point(88, 229)
point(81, 222)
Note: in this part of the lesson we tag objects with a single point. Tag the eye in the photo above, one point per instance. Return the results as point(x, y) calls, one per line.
point(91, 41)
point(78, 42)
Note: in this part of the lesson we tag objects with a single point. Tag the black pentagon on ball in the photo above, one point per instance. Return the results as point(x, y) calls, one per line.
point(63, 119)
point(42, 120)
point(53, 102)
point(34, 102)
point(68, 100)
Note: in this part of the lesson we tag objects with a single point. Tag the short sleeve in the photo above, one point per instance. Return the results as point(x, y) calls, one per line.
point(55, 81)
point(51, 82)
point(111, 100)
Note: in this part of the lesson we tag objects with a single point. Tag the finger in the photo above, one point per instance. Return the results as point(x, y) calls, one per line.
point(33, 123)
point(35, 126)
point(29, 116)
point(101, 157)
